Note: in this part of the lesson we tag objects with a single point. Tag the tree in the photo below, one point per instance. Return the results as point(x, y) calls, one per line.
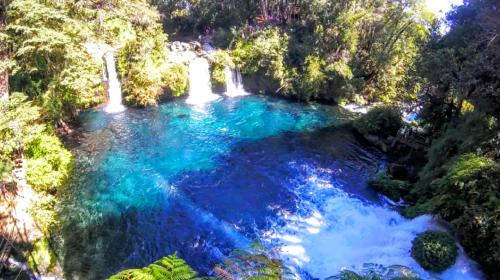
point(4, 53)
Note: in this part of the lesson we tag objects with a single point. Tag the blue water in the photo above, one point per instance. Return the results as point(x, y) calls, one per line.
point(204, 181)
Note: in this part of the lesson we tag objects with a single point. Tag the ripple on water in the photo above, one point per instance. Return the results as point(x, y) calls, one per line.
point(205, 182)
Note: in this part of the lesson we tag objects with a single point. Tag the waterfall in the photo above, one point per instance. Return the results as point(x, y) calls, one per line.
point(234, 82)
point(200, 88)
point(114, 88)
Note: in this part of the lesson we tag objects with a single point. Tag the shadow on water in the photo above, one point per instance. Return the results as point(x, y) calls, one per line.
point(202, 214)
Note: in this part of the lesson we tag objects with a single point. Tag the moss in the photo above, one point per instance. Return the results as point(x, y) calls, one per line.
point(434, 250)
point(386, 185)
point(381, 121)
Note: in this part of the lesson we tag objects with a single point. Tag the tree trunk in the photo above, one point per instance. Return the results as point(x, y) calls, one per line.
point(4, 52)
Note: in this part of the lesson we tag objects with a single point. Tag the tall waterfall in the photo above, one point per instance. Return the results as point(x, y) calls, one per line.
point(114, 88)
point(200, 88)
point(234, 82)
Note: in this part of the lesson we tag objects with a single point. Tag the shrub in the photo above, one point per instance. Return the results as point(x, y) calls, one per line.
point(263, 54)
point(386, 185)
point(176, 79)
point(434, 250)
point(42, 258)
point(48, 163)
point(140, 63)
point(222, 59)
point(381, 121)
point(467, 196)
point(19, 125)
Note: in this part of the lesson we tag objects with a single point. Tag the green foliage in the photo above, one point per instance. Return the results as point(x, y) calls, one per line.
point(386, 185)
point(194, 16)
point(381, 121)
point(467, 196)
point(264, 53)
point(19, 125)
point(222, 59)
point(50, 62)
point(463, 135)
point(434, 250)
point(168, 268)
point(43, 211)
point(141, 60)
point(176, 79)
point(48, 163)
point(462, 66)
point(42, 257)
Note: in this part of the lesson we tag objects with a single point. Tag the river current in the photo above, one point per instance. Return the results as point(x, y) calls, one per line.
point(204, 180)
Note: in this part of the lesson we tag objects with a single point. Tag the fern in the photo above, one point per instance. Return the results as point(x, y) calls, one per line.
point(168, 268)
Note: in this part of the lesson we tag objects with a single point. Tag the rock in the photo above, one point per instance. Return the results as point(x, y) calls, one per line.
point(196, 46)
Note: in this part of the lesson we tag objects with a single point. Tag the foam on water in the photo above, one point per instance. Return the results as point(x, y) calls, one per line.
point(340, 231)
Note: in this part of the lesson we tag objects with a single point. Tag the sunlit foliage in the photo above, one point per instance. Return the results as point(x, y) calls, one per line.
point(168, 268)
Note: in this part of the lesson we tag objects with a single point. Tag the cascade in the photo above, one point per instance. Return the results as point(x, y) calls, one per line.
point(234, 82)
point(114, 88)
point(200, 88)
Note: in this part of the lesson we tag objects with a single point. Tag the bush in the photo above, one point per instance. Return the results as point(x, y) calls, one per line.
point(42, 258)
point(386, 185)
point(222, 59)
point(176, 79)
point(467, 196)
point(263, 55)
point(381, 121)
point(434, 250)
point(19, 125)
point(48, 163)
point(141, 63)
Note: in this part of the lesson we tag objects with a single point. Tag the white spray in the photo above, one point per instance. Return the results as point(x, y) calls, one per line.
point(114, 87)
point(200, 88)
point(234, 82)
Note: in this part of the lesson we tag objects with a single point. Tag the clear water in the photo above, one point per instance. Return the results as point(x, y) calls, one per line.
point(205, 182)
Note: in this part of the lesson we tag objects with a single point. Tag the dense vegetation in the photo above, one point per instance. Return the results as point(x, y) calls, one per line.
point(332, 50)
point(337, 51)
point(434, 250)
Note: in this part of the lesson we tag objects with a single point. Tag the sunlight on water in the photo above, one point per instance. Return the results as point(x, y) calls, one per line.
point(340, 231)
point(202, 183)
